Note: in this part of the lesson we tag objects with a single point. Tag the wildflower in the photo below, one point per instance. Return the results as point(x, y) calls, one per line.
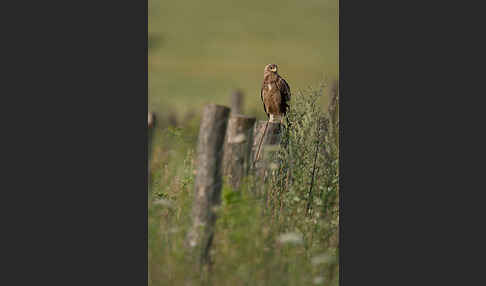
point(321, 258)
point(174, 230)
point(164, 203)
point(318, 280)
point(290, 237)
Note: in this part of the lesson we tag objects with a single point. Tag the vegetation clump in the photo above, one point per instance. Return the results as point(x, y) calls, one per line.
point(285, 234)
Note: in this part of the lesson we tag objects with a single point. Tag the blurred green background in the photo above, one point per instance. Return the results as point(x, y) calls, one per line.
point(201, 51)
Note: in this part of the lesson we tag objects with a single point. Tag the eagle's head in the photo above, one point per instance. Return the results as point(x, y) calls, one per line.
point(271, 68)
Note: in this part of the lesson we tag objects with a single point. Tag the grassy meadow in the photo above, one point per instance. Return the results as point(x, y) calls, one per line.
point(286, 233)
point(200, 51)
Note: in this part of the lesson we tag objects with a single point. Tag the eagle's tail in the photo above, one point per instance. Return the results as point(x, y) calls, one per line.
point(260, 145)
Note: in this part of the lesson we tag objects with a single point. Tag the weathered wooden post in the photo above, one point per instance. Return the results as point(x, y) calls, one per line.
point(172, 119)
point(263, 150)
point(272, 137)
point(237, 102)
point(208, 182)
point(237, 149)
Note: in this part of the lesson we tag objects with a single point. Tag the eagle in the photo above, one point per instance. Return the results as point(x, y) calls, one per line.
point(275, 94)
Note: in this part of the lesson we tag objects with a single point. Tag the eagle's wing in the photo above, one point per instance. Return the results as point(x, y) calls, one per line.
point(263, 102)
point(284, 89)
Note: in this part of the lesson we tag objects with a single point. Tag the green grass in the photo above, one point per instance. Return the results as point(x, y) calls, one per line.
point(247, 248)
point(199, 51)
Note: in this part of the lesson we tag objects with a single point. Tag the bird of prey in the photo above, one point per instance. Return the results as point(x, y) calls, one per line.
point(275, 94)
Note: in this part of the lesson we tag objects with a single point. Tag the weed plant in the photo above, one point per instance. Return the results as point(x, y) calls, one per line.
point(285, 235)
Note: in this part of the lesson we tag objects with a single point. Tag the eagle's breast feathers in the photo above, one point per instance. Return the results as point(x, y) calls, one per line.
point(275, 94)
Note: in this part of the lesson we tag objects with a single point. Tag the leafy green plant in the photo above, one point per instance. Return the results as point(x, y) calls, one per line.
point(287, 235)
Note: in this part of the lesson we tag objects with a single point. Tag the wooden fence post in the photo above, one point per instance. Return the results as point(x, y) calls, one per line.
point(208, 182)
point(237, 149)
point(270, 142)
point(272, 136)
point(237, 102)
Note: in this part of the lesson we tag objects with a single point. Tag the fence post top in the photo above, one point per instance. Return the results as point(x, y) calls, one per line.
point(212, 105)
point(243, 116)
point(151, 119)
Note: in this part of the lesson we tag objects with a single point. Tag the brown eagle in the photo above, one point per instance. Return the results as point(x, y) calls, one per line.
point(275, 94)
